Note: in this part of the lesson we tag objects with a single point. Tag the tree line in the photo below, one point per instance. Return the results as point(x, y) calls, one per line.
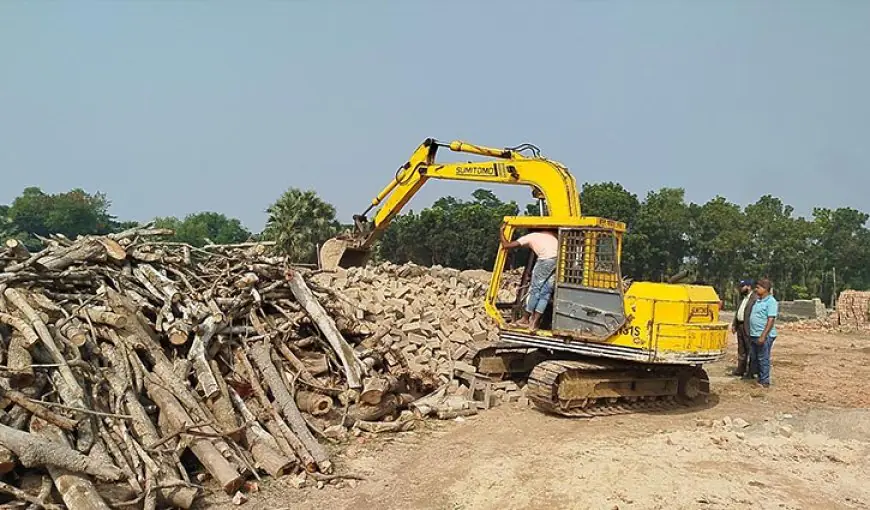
point(717, 242)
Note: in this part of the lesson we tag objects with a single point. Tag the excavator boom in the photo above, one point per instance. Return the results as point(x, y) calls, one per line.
point(548, 179)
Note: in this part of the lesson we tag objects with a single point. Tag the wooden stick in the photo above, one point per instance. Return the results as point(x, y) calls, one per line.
point(37, 409)
point(261, 357)
point(353, 368)
point(20, 362)
point(76, 490)
point(207, 381)
point(219, 467)
point(263, 446)
point(20, 325)
point(35, 451)
point(20, 494)
point(84, 410)
point(221, 405)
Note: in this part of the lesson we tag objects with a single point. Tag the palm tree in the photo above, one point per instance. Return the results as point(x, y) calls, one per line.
point(298, 222)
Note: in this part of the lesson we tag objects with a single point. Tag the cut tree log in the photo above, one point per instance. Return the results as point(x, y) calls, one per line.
point(35, 408)
point(207, 382)
point(376, 387)
point(264, 447)
point(7, 460)
point(367, 412)
point(87, 250)
point(262, 358)
point(286, 439)
point(23, 328)
point(101, 315)
point(17, 249)
point(76, 490)
point(74, 331)
point(313, 403)
point(353, 367)
point(222, 407)
point(219, 467)
point(36, 451)
point(403, 424)
point(20, 362)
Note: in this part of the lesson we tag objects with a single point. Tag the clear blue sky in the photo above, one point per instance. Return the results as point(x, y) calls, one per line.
point(178, 107)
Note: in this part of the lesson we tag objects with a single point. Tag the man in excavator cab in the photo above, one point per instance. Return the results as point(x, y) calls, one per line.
point(545, 244)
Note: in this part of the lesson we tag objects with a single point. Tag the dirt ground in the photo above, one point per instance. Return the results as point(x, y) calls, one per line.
point(806, 446)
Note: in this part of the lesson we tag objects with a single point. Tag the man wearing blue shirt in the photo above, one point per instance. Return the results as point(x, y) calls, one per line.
point(762, 331)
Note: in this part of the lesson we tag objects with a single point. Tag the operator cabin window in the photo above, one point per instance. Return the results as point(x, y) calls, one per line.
point(605, 253)
point(589, 258)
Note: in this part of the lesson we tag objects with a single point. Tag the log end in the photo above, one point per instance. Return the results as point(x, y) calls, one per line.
point(78, 338)
point(114, 250)
point(7, 460)
point(232, 485)
point(179, 497)
point(178, 337)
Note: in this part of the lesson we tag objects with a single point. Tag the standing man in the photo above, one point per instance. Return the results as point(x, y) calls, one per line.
point(545, 244)
point(741, 326)
point(762, 330)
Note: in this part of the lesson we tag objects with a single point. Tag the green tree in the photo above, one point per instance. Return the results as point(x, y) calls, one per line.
point(453, 232)
point(844, 245)
point(299, 221)
point(8, 228)
point(609, 200)
point(204, 228)
point(72, 213)
point(718, 239)
point(659, 241)
point(780, 246)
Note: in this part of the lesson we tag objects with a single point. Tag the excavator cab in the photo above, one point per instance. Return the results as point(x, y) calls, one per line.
point(587, 301)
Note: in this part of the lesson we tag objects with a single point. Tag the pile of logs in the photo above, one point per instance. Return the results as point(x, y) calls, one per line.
point(135, 371)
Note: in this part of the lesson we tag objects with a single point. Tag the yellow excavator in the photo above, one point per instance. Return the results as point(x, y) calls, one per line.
point(605, 346)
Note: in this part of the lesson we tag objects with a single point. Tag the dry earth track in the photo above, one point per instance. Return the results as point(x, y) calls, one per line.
point(807, 446)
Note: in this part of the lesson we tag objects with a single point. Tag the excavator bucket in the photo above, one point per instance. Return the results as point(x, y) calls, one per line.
point(344, 253)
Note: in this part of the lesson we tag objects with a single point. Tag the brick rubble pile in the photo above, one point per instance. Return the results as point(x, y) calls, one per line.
point(425, 322)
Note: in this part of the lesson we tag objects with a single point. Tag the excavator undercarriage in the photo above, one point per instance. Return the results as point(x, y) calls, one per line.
point(580, 386)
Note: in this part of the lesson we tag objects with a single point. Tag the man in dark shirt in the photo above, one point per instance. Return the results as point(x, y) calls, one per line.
point(740, 325)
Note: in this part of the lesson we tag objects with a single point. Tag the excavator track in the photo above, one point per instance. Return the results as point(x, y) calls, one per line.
point(589, 389)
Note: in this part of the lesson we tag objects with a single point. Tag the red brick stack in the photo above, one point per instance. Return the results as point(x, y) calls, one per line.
point(853, 308)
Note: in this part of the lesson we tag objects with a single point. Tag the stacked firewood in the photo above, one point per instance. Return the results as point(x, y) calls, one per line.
point(135, 371)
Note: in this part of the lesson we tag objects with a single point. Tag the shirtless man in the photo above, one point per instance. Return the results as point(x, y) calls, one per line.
point(545, 244)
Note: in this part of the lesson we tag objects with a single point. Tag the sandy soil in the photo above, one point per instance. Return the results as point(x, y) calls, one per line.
point(806, 445)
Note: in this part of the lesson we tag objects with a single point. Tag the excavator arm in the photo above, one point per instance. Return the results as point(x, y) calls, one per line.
point(548, 179)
